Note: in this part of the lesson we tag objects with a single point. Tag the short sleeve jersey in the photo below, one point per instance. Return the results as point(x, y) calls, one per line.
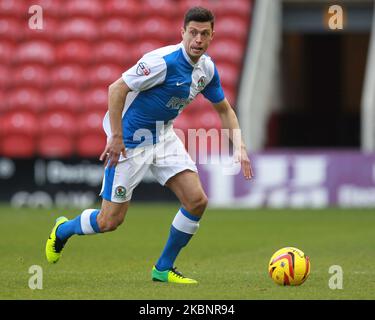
point(163, 83)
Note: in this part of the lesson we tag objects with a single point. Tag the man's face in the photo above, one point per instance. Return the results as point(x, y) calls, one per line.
point(196, 38)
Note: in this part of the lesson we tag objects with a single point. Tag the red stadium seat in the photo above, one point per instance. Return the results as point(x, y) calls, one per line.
point(129, 8)
point(231, 95)
point(207, 119)
point(95, 99)
point(75, 51)
point(145, 46)
point(242, 20)
point(11, 29)
point(31, 75)
point(91, 145)
point(229, 75)
point(176, 24)
point(55, 146)
point(26, 99)
point(112, 51)
point(5, 79)
point(63, 98)
point(210, 122)
point(181, 126)
point(63, 122)
point(19, 129)
point(155, 28)
point(199, 114)
point(239, 8)
point(19, 122)
point(164, 8)
point(57, 132)
point(182, 121)
point(197, 129)
point(78, 28)
point(51, 7)
point(199, 104)
point(104, 75)
point(13, 8)
point(69, 75)
point(187, 4)
point(48, 33)
point(91, 122)
point(35, 52)
point(231, 28)
point(118, 28)
point(18, 146)
point(83, 8)
point(3, 103)
point(7, 49)
point(230, 51)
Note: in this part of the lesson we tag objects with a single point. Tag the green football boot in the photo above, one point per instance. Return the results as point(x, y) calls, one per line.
point(171, 275)
point(54, 245)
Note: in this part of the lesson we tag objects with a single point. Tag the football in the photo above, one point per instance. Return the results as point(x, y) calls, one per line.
point(289, 266)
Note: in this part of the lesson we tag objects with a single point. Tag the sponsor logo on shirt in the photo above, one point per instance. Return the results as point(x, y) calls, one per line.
point(143, 69)
point(178, 103)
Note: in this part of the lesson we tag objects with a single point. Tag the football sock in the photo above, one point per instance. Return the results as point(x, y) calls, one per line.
point(85, 223)
point(183, 227)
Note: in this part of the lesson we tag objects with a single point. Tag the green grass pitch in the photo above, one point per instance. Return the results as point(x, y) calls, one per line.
point(228, 255)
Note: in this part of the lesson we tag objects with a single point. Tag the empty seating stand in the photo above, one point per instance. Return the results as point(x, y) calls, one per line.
point(54, 81)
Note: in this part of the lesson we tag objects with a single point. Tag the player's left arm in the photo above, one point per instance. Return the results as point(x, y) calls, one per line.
point(229, 121)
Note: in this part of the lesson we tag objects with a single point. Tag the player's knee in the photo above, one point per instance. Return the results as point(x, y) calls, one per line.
point(198, 204)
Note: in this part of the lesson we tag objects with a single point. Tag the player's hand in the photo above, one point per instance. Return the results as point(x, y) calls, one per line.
point(112, 151)
point(240, 155)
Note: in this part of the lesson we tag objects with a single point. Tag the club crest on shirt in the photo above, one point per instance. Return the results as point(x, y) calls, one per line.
point(201, 83)
point(120, 192)
point(143, 69)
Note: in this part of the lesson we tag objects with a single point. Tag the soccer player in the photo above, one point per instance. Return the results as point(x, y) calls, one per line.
point(142, 105)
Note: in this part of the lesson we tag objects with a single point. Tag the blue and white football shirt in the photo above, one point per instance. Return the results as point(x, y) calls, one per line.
point(163, 83)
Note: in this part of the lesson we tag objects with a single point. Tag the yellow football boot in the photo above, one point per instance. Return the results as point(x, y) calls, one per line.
point(54, 245)
point(171, 275)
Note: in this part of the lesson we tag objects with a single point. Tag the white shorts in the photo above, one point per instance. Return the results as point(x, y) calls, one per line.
point(165, 159)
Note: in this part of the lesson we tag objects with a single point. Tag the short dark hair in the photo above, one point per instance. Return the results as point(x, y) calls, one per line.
point(199, 14)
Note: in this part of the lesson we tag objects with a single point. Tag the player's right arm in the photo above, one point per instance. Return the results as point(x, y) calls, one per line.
point(149, 71)
point(117, 92)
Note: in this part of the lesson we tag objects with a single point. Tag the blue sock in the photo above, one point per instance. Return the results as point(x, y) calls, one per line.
point(183, 228)
point(85, 223)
